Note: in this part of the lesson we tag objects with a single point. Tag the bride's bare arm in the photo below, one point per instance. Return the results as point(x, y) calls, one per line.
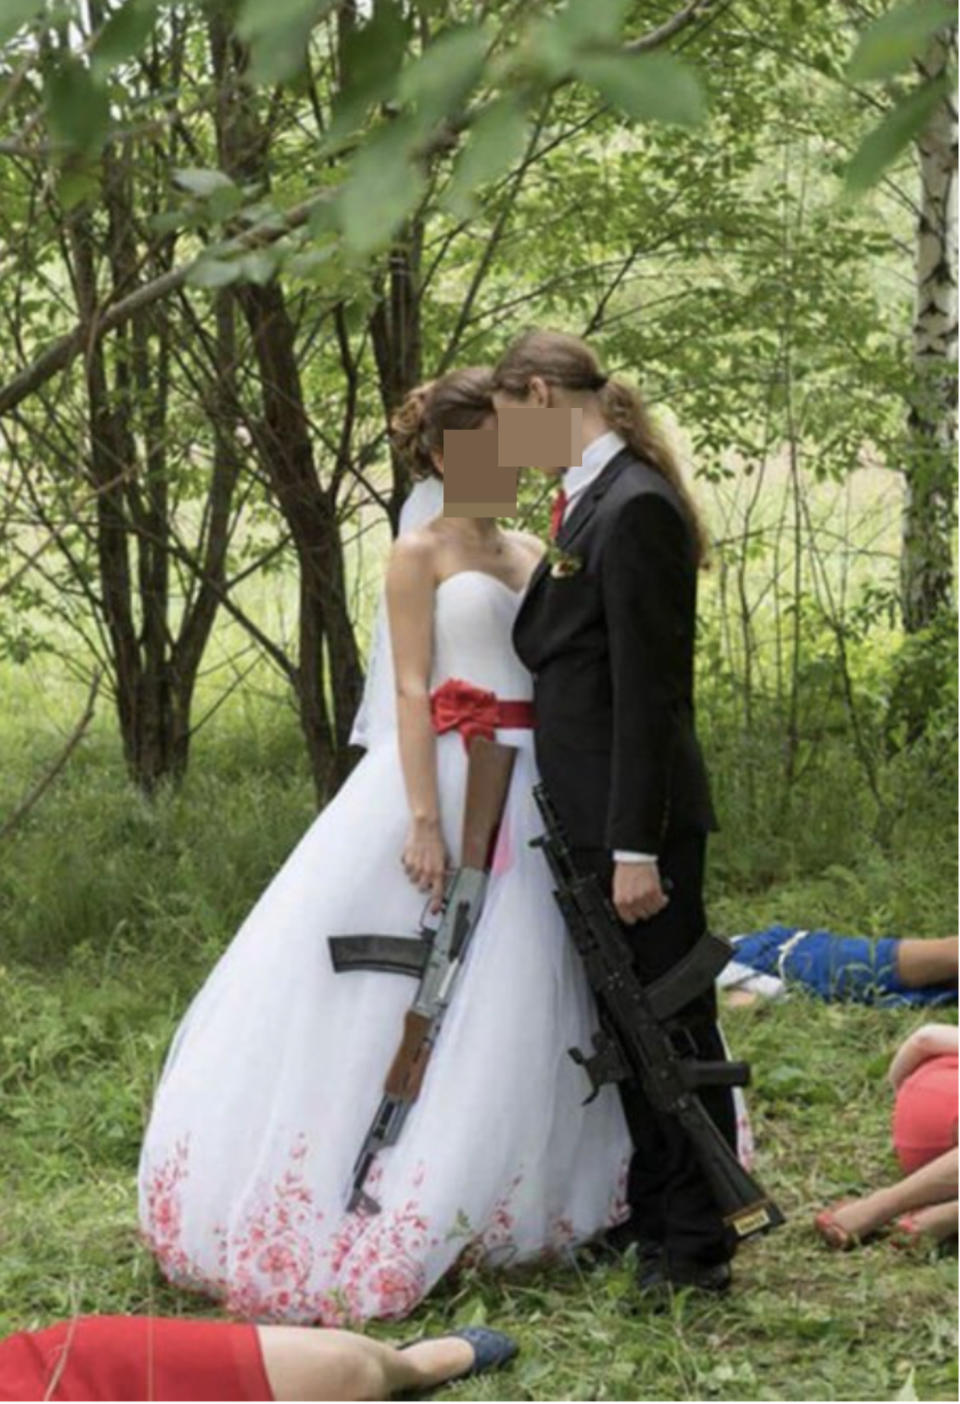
point(410, 591)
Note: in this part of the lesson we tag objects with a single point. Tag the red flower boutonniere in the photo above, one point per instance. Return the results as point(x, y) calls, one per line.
point(562, 563)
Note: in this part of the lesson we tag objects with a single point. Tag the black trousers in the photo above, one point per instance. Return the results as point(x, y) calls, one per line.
point(670, 1199)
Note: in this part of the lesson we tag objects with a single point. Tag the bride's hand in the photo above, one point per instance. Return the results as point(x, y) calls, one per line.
point(425, 859)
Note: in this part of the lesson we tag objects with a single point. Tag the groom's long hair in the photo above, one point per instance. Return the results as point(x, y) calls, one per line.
point(570, 364)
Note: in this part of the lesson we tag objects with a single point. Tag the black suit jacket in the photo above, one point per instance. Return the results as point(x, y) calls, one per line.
point(611, 650)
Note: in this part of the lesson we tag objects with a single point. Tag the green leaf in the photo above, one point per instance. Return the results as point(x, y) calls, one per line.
point(259, 265)
point(224, 202)
point(496, 139)
point(646, 87)
point(278, 32)
point(440, 79)
point(166, 221)
point(14, 14)
point(259, 17)
point(881, 146)
point(545, 53)
point(78, 111)
point(587, 22)
point(908, 1390)
point(124, 34)
point(323, 217)
point(893, 41)
point(208, 272)
point(200, 181)
point(77, 182)
point(373, 54)
point(383, 188)
point(312, 263)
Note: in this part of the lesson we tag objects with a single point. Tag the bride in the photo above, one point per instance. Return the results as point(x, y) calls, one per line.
point(274, 1075)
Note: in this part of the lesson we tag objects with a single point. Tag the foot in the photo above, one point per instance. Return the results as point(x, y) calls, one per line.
point(847, 1223)
point(661, 1276)
point(925, 1228)
point(468, 1352)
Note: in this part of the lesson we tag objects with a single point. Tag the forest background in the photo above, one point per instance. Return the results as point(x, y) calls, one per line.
point(233, 236)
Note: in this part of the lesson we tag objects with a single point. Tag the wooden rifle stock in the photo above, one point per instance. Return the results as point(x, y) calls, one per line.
point(410, 1062)
point(489, 769)
point(441, 953)
point(488, 780)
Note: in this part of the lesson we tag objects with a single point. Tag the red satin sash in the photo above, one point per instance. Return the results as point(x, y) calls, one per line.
point(459, 706)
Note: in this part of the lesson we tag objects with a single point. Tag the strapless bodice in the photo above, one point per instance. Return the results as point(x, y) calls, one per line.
point(472, 629)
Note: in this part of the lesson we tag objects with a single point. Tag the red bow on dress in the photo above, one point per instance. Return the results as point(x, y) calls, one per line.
point(459, 706)
point(473, 711)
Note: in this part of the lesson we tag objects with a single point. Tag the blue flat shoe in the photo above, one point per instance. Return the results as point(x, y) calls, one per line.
point(491, 1349)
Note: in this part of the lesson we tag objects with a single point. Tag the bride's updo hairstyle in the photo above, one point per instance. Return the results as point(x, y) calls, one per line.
point(460, 400)
point(569, 364)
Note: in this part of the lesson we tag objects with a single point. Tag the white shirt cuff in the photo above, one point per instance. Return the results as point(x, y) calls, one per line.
point(624, 855)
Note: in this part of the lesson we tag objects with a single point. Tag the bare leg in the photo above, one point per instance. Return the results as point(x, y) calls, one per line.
point(932, 1184)
point(304, 1362)
point(921, 963)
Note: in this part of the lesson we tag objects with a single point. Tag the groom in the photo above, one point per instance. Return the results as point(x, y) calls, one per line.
point(607, 629)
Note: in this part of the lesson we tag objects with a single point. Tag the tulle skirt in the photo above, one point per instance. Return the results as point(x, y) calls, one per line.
point(278, 1067)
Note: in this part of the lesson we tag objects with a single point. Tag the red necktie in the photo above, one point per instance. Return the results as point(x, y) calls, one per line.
point(557, 509)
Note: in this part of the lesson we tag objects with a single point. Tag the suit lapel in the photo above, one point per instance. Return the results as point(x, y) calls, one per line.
point(580, 514)
point(582, 511)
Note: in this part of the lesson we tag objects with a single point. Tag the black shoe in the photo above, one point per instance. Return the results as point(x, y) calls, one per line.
point(616, 1243)
point(660, 1278)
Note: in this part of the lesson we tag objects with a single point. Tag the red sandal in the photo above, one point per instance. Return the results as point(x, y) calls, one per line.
point(831, 1230)
point(906, 1232)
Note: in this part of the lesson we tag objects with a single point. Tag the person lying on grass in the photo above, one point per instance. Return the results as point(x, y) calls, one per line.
point(841, 969)
point(923, 1205)
point(147, 1357)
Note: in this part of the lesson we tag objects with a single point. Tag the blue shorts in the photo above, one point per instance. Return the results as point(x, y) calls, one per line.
point(837, 968)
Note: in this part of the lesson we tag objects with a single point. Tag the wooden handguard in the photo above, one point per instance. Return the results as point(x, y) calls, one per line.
point(413, 1055)
point(488, 780)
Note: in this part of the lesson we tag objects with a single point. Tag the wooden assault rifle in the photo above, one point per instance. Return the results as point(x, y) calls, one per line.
point(435, 956)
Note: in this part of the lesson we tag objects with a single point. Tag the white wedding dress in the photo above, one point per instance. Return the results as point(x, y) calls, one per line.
point(278, 1066)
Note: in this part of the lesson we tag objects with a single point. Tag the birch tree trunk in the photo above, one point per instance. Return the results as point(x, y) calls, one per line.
point(926, 569)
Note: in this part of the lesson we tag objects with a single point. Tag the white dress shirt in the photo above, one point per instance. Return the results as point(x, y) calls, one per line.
point(596, 455)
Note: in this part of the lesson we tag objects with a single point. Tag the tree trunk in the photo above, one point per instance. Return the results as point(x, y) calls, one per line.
point(128, 380)
point(285, 449)
point(926, 571)
point(396, 336)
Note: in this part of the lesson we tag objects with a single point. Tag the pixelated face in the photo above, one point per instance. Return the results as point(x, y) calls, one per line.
point(481, 466)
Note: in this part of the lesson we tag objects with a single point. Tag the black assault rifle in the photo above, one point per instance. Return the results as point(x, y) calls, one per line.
point(434, 957)
point(634, 1041)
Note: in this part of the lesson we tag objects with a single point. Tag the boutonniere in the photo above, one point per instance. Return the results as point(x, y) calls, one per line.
point(562, 563)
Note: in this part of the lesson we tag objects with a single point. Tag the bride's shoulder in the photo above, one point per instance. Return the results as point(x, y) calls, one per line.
point(527, 542)
point(412, 558)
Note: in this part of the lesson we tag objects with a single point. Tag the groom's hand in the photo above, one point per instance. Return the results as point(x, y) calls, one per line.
point(637, 893)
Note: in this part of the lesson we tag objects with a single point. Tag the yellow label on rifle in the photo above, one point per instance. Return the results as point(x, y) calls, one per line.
point(750, 1221)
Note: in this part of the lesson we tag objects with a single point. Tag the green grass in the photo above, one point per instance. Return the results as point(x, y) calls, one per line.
point(111, 912)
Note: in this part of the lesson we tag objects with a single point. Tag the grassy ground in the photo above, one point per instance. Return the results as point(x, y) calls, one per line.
point(111, 911)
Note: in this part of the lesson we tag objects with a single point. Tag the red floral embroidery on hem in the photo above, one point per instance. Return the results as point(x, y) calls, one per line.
point(269, 1264)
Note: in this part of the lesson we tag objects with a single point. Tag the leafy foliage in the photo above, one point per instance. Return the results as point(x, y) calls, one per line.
point(83, 1033)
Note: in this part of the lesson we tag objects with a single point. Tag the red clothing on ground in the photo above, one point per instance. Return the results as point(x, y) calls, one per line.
point(925, 1113)
point(134, 1357)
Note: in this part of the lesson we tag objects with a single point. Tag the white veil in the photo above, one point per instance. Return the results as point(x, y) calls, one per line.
point(376, 715)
